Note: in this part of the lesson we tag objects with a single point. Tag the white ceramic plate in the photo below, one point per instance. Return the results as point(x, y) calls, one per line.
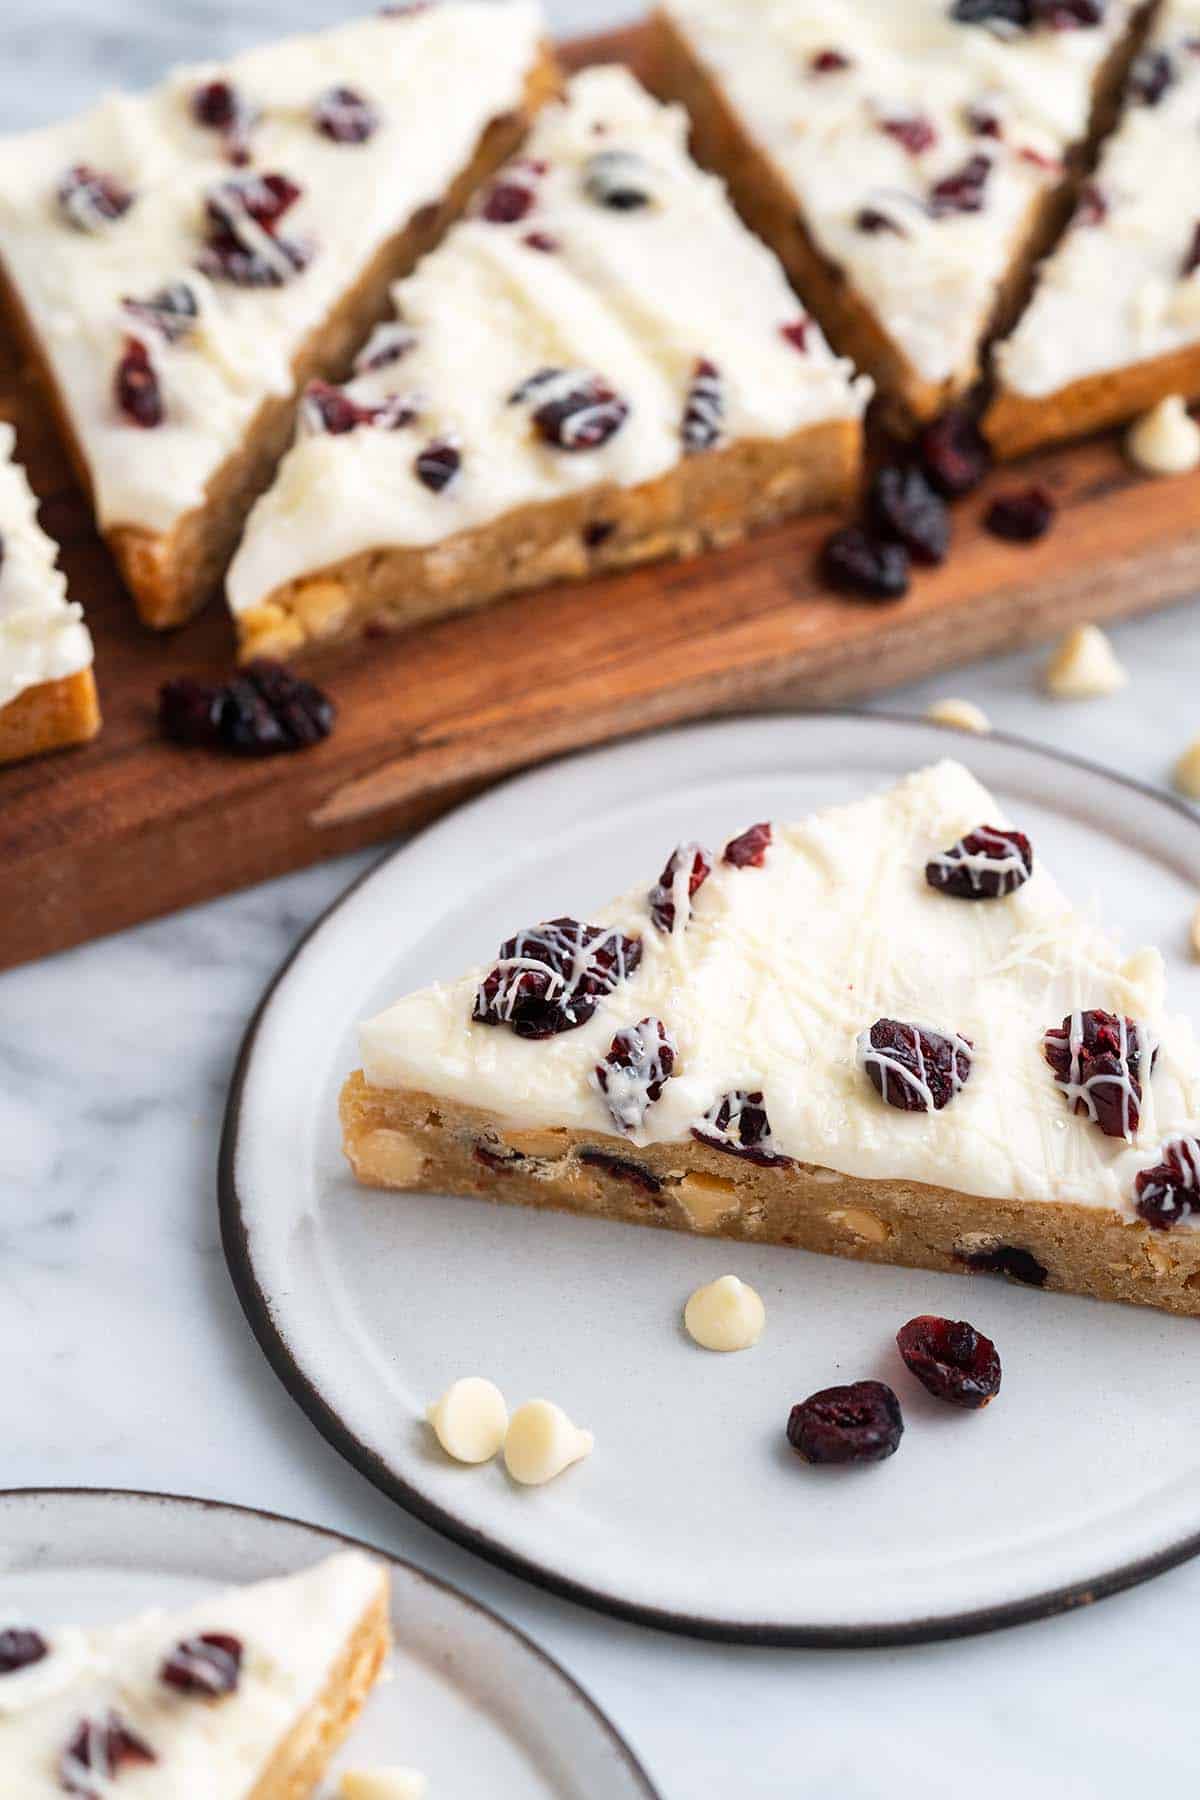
point(471, 1702)
point(692, 1513)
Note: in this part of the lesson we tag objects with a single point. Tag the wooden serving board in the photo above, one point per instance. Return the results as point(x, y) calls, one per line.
point(129, 827)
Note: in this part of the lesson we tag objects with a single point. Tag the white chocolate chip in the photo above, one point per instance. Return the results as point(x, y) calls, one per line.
point(964, 715)
point(382, 1784)
point(1166, 440)
point(470, 1420)
point(725, 1315)
point(1084, 667)
point(1187, 771)
point(867, 1226)
point(542, 1442)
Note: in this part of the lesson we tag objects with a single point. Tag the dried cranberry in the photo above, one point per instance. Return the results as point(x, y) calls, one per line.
point(829, 62)
point(135, 386)
point(1170, 1192)
point(1097, 1060)
point(90, 200)
point(991, 12)
point(688, 868)
point(500, 1162)
point(1021, 516)
point(345, 116)
point(172, 311)
point(20, 1647)
point(640, 1062)
point(795, 333)
point(703, 409)
point(219, 106)
point(386, 345)
point(902, 505)
point(597, 532)
point(983, 122)
point(572, 409)
point(513, 194)
point(914, 131)
point(856, 561)
point(1092, 207)
point(622, 1168)
point(97, 1753)
point(1006, 1259)
point(961, 191)
point(438, 464)
point(913, 1067)
point(242, 244)
point(1150, 77)
point(1067, 15)
point(987, 864)
point(954, 453)
point(264, 710)
point(870, 220)
point(854, 1424)
point(210, 1664)
point(541, 240)
point(950, 1359)
point(1040, 159)
point(738, 1124)
point(552, 977)
point(749, 851)
point(330, 409)
point(1191, 261)
point(619, 180)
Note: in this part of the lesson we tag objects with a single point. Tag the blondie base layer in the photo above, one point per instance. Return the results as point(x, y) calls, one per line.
point(882, 1033)
point(908, 164)
point(47, 688)
point(599, 367)
point(1114, 324)
point(244, 1696)
point(179, 265)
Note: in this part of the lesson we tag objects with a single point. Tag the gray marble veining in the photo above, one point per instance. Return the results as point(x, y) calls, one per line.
point(126, 1360)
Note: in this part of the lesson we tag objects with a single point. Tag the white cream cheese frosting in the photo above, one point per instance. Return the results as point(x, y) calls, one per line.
point(640, 291)
point(781, 968)
point(292, 1631)
point(432, 79)
point(42, 634)
point(1123, 286)
point(834, 132)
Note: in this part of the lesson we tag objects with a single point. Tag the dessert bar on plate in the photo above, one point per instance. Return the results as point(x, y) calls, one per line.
point(908, 159)
point(47, 688)
point(1114, 324)
point(882, 1033)
point(179, 263)
point(244, 1696)
point(598, 367)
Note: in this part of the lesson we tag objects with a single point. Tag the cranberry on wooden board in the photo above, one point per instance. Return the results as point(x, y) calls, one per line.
point(954, 453)
point(903, 506)
point(859, 1423)
point(860, 563)
point(551, 978)
point(262, 711)
point(1021, 516)
point(951, 1360)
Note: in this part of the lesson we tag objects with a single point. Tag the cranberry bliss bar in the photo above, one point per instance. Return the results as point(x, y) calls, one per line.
point(906, 158)
point(180, 262)
point(245, 1696)
point(882, 1033)
point(1115, 322)
point(599, 367)
point(47, 689)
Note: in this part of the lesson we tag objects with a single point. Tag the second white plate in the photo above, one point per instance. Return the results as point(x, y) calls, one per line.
point(692, 1513)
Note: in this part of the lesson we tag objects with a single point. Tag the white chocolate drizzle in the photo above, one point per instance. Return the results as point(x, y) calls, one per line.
point(891, 1068)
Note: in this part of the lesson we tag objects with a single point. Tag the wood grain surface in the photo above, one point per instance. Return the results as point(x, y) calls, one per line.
point(127, 828)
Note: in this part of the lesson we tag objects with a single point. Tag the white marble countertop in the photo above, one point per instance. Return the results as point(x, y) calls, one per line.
point(126, 1361)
